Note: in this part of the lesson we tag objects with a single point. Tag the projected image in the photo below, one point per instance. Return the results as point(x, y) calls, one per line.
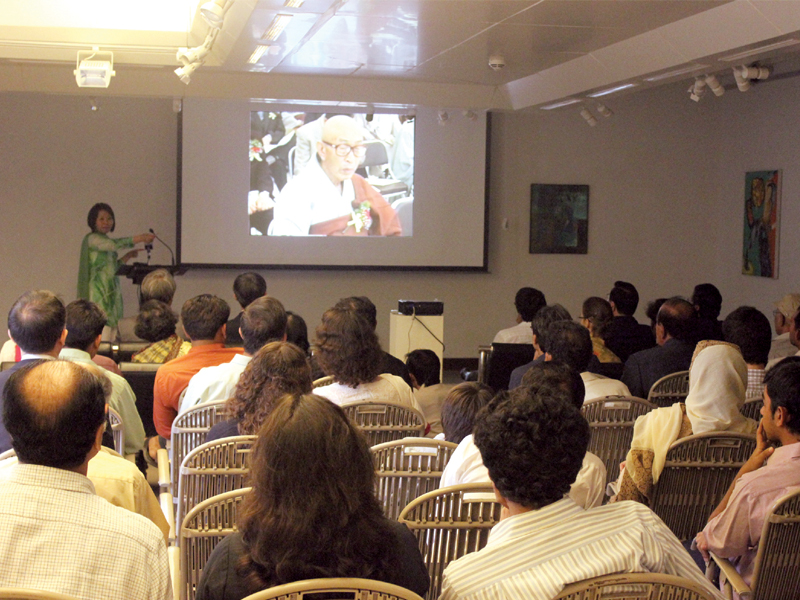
point(331, 174)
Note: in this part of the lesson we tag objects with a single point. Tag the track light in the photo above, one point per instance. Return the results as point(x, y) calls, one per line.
point(185, 72)
point(588, 117)
point(470, 115)
point(192, 55)
point(94, 68)
point(443, 117)
point(605, 111)
point(698, 89)
point(754, 72)
point(714, 85)
point(741, 81)
point(214, 13)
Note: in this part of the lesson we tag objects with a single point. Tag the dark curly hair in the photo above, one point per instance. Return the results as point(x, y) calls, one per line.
point(155, 321)
point(313, 511)
point(532, 441)
point(347, 347)
point(278, 368)
point(461, 406)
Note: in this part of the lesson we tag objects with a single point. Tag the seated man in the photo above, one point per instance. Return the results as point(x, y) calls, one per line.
point(424, 368)
point(57, 534)
point(571, 343)
point(528, 301)
point(85, 322)
point(328, 198)
point(707, 302)
point(466, 464)
point(204, 318)
point(748, 328)
point(676, 336)
point(785, 309)
point(533, 441)
point(774, 467)
point(626, 335)
point(247, 287)
point(544, 317)
point(264, 321)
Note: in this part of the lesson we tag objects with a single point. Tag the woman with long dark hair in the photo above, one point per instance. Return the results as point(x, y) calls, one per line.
point(312, 512)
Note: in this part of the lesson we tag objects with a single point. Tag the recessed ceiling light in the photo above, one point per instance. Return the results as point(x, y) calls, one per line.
point(560, 104)
point(294, 3)
point(257, 53)
point(279, 23)
point(612, 90)
point(744, 54)
point(676, 72)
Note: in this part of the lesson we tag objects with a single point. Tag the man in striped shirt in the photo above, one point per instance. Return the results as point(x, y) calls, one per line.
point(533, 441)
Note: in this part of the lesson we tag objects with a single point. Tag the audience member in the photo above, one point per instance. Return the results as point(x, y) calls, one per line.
point(58, 535)
point(771, 472)
point(597, 316)
point(707, 302)
point(425, 369)
point(785, 310)
point(570, 343)
point(717, 381)
point(528, 301)
point(36, 324)
point(156, 285)
point(625, 335)
point(541, 322)
point(204, 318)
point(749, 329)
point(676, 331)
point(466, 464)
point(652, 312)
point(533, 442)
point(297, 332)
point(460, 408)
point(263, 321)
point(84, 322)
point(312, 512)
point(349, 351)
point(365, 307)
point(155, 323)
point(247, 287)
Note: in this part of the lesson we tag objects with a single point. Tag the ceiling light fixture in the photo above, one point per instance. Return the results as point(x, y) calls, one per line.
point(277, 26)
point(605, 111)
point(714, 85)
point(294, 3)
point(744, 74)
point(257, 54)
point(185, 72)
point(588, 117)
point(470, 115)
point(94, 68)
point(697, 90)
point(777, 45)
point(566, 102)
point(676, 72)
point(192, 55)
point(443, 117)
point(214, 13)
point(612, 90)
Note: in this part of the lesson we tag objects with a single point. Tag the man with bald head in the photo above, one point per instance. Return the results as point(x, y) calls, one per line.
point(328, 197)
point(676, 337)
point(57, 534)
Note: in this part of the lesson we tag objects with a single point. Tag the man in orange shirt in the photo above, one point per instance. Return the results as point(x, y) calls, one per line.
point(204, 318)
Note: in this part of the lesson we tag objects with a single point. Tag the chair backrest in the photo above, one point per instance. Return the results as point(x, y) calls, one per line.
point(376, 154)
point(408, 468)
point(385, 421)
point(503, 359)
point(340, 587)
point(117, 431)
point(189, 430)
point(697, 473)
point(752, 408)
point(7, 454)
point(449, 523)
point(611, 420)
point(26, 594)
point(125, 350)
point(7, 364)
point(202, 529)
point(142, 377)
point(776, 573)
point(213, 468)
point(636, 586)
point(327, 380)
point(669, 389)
point(105, 349)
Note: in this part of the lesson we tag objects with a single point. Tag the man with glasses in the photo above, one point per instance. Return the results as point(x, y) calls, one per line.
point(328, 198)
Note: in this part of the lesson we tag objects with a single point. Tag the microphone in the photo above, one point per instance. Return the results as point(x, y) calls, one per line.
point(165, 244)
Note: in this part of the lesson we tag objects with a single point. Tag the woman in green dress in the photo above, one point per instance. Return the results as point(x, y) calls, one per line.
point(97, 279)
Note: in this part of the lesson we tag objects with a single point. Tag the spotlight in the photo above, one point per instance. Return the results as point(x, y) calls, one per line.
point(605, 111)
point(213, 13)
point(94, 68)
point(698, 89)
point(192, 55)
point(470, 115)
point(754, 72)
point(714, 85)
point(587, 116)
point(741, 81)
point(185, 72)
point(443, 117)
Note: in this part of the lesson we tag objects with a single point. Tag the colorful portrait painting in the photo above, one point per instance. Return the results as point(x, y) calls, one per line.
point(761, 220)
point(559, 219)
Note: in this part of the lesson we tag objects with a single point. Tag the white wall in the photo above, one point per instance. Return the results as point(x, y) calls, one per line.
point(666, 179)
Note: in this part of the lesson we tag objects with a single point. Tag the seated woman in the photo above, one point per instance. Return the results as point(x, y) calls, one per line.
point(717, 384)
point(460, 408)
point(156, 323)
point(277, 369)
point(596, 316)
point(297, 332)
point(312, 512)
point(348, 350)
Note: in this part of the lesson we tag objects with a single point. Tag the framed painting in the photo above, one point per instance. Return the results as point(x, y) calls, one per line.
point(762, 193)
point(559, 219)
